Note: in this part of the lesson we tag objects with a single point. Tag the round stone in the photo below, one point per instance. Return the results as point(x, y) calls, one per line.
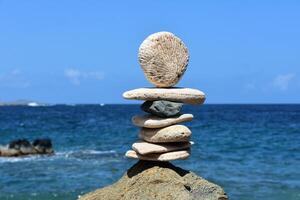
point(163, 58)
point(174, 133)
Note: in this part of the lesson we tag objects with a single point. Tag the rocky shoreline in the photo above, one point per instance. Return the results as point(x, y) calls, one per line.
point(23, 147)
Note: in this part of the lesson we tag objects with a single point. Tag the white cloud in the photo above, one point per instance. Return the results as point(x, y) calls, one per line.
point(250, 86)
point(283, 81)
point(76, 76)
point(15, 72)
point(13, 79)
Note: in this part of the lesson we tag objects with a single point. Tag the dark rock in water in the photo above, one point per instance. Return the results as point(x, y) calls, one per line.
point(17, 144)
point(158, 180)
point(21, 145)
point(43, 146)
point(7, 152)
point(24, 147)
point(162, 108)
point(17, 148)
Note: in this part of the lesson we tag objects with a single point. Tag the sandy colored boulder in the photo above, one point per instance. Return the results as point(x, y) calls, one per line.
point(174, 133)
point(174, 155)
point(142, 147)
point(151, 121)
point(163, 58)
point(158, 181)
point(7, 152)
point(184, 95)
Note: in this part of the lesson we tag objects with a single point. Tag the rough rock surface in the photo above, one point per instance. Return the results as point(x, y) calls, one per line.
point(162, 108)
point(158, 181)
point(163, 58)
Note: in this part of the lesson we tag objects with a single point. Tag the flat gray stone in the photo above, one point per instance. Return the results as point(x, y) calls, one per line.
point(174, 133)
point(151, 121)
point(162, 108)
point(184, 95)
point(142, 147)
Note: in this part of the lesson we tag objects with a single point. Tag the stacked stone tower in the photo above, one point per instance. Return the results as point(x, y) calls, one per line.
point(164, 59)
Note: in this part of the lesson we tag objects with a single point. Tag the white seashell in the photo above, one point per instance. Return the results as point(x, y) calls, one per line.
point(163, 58)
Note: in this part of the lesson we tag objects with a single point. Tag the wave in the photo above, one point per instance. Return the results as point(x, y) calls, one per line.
point(74, 154)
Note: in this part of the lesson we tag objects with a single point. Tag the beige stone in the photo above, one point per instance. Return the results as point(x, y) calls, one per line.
point(175, 155)
point(151, 121)
point(163, 58)
point(150, 180)
point(174, 133)
point(142, 147)
point(6, 152)
point(184, 95)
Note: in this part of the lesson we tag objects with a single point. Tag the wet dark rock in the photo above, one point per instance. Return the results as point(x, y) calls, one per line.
point(23, 147)
point(162, 108)
point(43, 145)
point(17, 144)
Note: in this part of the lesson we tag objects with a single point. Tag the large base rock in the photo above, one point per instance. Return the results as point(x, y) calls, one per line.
point(148, 180)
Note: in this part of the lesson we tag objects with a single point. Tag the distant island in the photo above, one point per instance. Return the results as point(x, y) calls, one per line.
point(31, 103)
point(22, 102)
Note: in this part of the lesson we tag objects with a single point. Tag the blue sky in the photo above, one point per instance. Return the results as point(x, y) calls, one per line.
point(86, 51)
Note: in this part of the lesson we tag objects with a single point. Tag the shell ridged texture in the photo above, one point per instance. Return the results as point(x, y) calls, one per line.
point(163, 58)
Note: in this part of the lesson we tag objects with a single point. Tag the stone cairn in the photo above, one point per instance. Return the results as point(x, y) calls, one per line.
point(164, 59)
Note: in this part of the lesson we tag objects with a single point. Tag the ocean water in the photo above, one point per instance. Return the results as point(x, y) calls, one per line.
point(252, 151)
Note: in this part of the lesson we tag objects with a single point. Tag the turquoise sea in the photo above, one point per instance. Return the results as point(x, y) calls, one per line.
point(252, 151)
